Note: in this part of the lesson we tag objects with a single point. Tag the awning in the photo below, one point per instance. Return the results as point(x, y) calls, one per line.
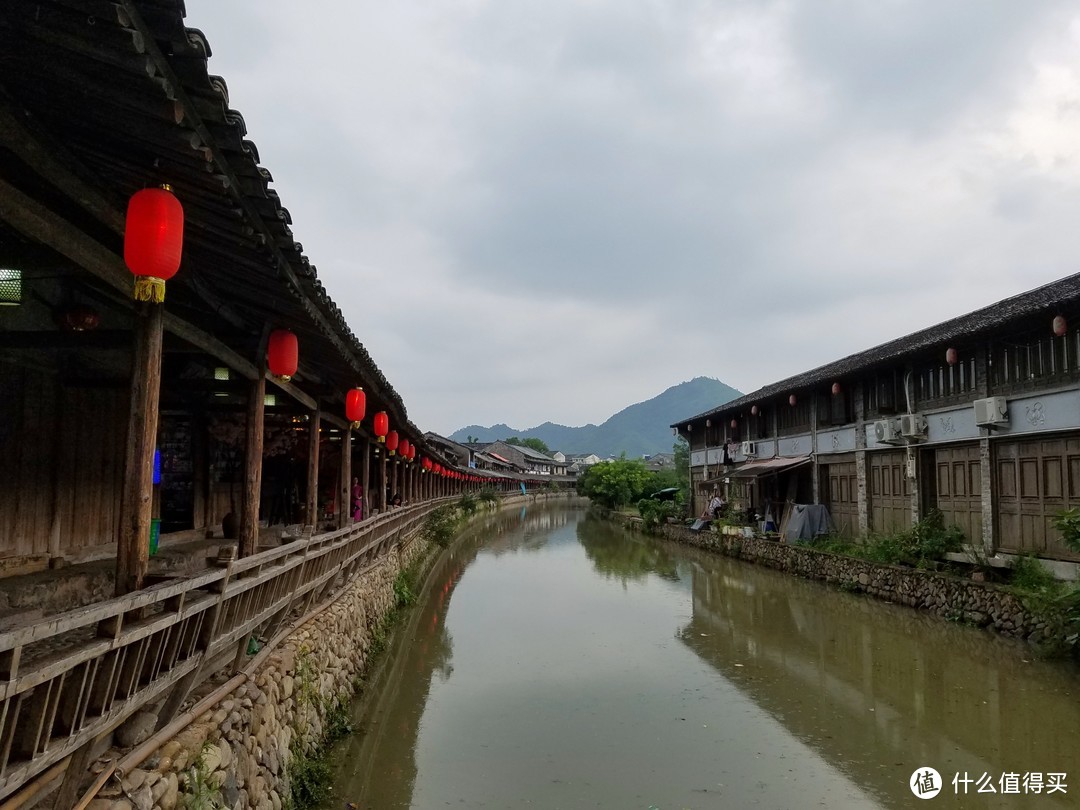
point(771, 466)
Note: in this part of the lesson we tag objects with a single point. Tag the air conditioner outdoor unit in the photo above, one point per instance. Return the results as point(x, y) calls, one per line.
point(913, 426)
point(887, 431)
point(991, 412)
point(749, 449)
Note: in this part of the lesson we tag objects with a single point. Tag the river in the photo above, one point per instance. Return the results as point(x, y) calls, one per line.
point(558, 661)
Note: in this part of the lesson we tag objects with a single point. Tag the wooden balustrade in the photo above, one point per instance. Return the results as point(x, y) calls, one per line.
point(68, 679)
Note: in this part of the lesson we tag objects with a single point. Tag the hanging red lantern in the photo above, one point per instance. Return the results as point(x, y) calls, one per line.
point(734, 423)
point(1060, 325)
point(382, 426)
point(355, 406)
point(753, 410)
point(412, 452)
point(282, 354)
point(426, 464)
point(392, 442)
point(950, 356)
point(836, 389)
point(153, 239)
point(403, 449)
point(791, 400)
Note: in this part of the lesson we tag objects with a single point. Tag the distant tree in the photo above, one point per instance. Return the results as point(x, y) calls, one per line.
point(536, 444)
point(616, 483)
point(471, 439)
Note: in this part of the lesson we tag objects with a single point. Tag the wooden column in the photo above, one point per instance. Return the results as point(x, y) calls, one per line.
point(365, 480)
point(382, 482)
point(253, 463)
point(345, 490)
point(313, 469)
point(136, 498)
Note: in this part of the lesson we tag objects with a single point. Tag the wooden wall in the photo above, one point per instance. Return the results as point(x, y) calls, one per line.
point(61, 464)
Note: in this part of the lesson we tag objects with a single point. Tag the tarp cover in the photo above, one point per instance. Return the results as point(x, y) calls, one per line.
point(807, 521)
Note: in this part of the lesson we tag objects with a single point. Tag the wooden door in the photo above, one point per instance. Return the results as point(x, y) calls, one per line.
point(890, 493)
point(1034, 481)
point(958, 486)
point(842, 496)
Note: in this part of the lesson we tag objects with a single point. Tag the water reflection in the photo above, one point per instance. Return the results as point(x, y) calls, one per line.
point(618, 555)
point(558, 661)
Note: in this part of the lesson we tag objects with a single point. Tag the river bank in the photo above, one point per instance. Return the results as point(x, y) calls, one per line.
point(980, 604)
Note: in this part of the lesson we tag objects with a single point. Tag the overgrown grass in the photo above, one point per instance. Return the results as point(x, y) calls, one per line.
point(200, 793)
point(441, 525)
point(920, 546)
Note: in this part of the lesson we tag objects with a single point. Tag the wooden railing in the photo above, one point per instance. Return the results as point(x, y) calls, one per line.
point(70, 678)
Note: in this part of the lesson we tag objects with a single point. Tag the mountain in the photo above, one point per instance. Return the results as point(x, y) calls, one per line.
point(641, 429)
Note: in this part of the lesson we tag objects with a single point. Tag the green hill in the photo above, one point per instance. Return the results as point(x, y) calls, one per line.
point(640, 429)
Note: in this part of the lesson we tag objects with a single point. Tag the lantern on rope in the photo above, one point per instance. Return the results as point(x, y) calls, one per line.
point(391, 442)
point(836, 389)
point(791, 400)
point(153, 238)
point(1060, 325)
point(382, 426)
point(950, 356)
point(355, 406)
point(282, 354)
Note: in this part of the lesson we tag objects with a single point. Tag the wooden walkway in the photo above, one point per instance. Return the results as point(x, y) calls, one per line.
point(70, 678)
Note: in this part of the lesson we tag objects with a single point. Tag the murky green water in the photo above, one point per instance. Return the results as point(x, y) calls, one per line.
point(560, 662)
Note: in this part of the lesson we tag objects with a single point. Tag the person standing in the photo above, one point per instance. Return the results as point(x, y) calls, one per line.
point(357, 501)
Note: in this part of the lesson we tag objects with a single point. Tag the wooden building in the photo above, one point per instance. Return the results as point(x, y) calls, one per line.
point(98, 101)
point(978, 417)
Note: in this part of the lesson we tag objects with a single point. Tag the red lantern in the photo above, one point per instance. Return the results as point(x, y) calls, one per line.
point(791, 400)
point(412, 452)
point(836, 389)
point(1060, 325)
point(403, 449)
point(950, 356)
point(753, 410)
point(734, 423)
point(392, 442)
point(355, 406)
point(426, 463)
point(382, 426)
point(153, 238)
point(282, 354)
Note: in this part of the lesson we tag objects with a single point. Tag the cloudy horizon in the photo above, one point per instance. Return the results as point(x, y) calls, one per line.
point(537, 212)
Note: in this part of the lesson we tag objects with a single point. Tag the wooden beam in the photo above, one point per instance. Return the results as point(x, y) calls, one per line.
point(253, 463)
point(294, 392)
point(133, 549)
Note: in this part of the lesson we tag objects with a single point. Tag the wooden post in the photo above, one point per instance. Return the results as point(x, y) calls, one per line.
point(253, 462)
point(382, 482)
point(313, 469)
point(136, 499)
point(365, 481)
point(345, 491)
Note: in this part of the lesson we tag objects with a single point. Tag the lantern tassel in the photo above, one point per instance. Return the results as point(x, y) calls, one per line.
point(390, 453)
point(282, 377)
point(150, 288)
point(382, 439)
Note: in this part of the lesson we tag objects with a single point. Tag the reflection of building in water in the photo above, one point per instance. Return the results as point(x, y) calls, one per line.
point(870, 686)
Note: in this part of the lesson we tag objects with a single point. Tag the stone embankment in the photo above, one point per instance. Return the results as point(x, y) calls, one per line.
point(954, 598)
point(240, 753)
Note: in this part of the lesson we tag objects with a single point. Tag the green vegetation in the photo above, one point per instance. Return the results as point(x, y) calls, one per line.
point(615, 483)
point(441, 525)
point(655, 514)
point(200, 792)
point(403, 592)
point(488, 496)
point(920, 546)
point(467, 504)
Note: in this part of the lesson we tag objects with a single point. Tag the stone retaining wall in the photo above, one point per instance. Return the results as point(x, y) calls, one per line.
point(977, 603)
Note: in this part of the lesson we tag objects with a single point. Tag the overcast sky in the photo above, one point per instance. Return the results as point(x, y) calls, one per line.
point(553, 209)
